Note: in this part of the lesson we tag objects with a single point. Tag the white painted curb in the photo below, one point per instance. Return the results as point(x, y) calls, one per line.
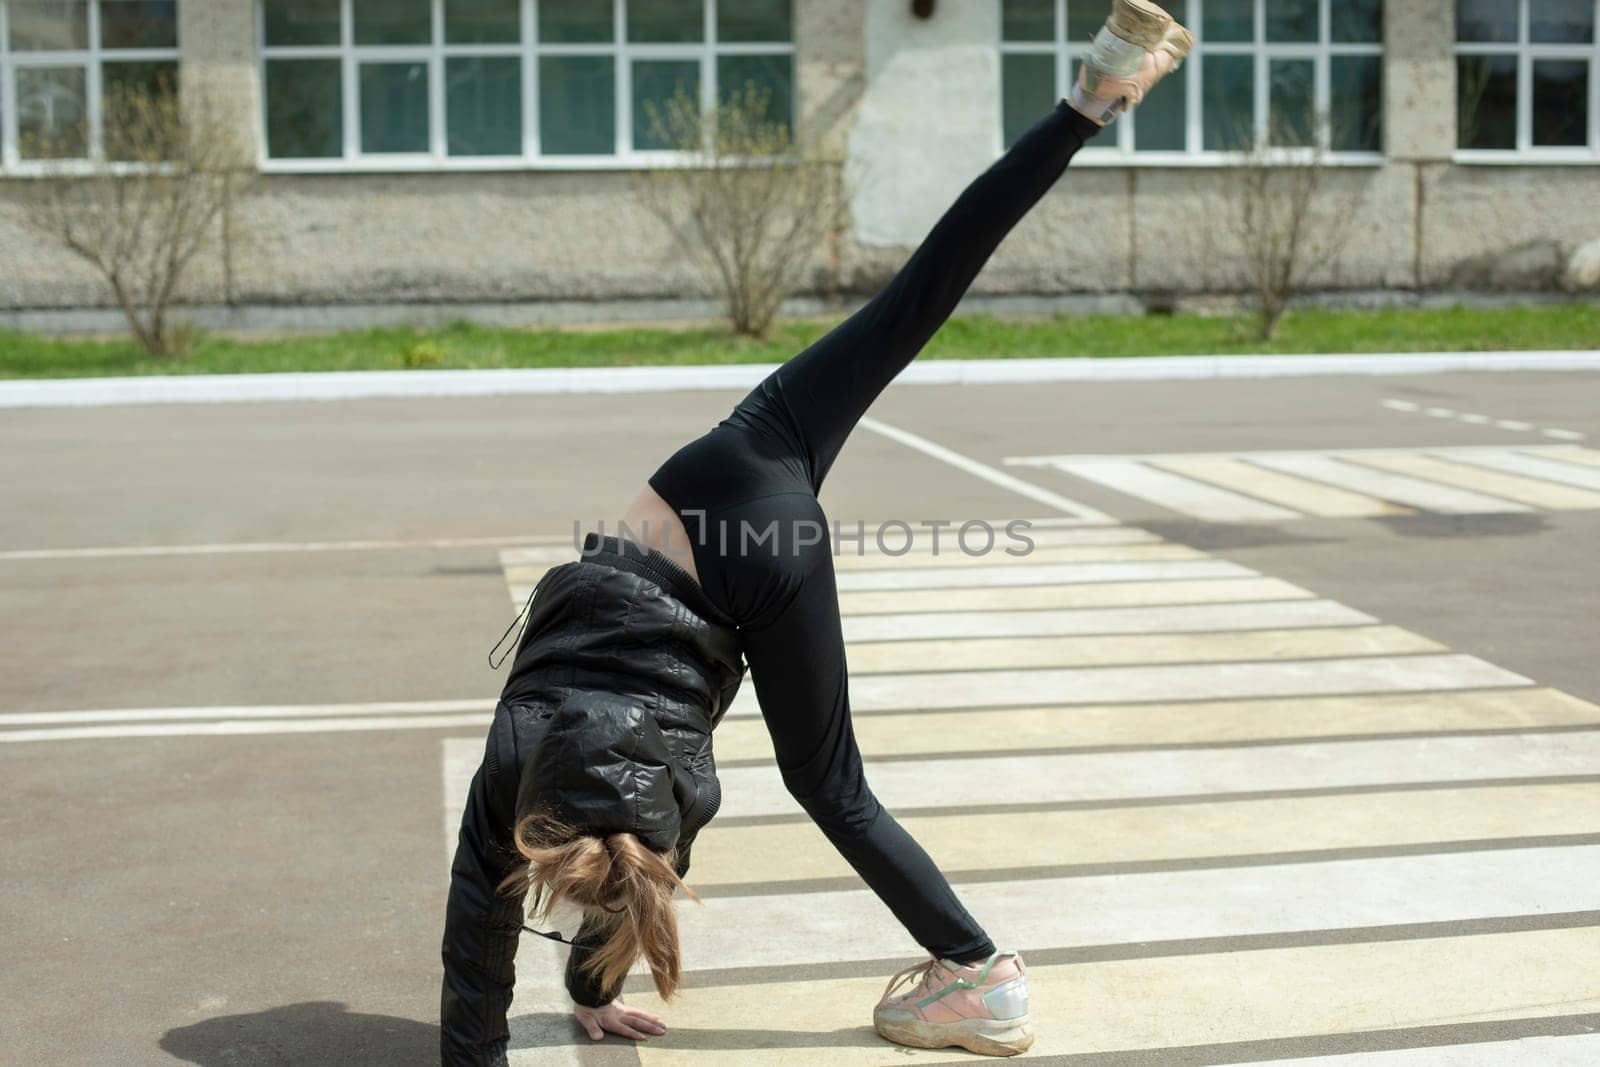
point(348, 385)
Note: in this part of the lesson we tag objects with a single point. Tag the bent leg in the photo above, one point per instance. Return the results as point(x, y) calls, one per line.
point(795, 648)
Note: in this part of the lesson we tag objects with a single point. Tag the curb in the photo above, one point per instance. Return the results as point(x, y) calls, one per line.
point(352, 385)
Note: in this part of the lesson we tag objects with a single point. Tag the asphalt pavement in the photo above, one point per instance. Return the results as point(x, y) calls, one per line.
point(1294, 707)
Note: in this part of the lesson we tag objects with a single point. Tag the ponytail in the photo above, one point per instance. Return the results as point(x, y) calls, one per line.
point(619, 882)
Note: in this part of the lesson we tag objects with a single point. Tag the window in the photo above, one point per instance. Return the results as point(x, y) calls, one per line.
point(1261, 70)
point(63, 66)
point(1527, 80)
point(397, 84)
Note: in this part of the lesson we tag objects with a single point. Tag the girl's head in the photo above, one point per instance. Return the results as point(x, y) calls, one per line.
point(618, 882)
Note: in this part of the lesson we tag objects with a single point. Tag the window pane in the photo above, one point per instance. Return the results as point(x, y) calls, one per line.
point(754, 20)
point(1561, 21)
point(52, 113)
point(1027, 20)
point(575, 22)
point(1292, 20)
point(1028, 91)
point(664, 21)
point(1161, 123)
point(302, 22)
point(655, 83)
point(1486, 20)
point(1229, 20)
point(1084, 19)
point(1357, 21)
point(483, 105)
point(1355, 103)
point(392, 21)
point(305, 112)
point(139, 24)
point(1560, 102)
point(139, 112)
point(1486, 101)
point(577, 106)
point(482, 21)
point(394, 107)
point(771, 75)
point(49, 25)
point(1227, 102)
point(1291, 119)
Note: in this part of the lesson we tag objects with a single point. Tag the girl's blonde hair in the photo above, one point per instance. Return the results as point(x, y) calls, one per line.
point(618, 881)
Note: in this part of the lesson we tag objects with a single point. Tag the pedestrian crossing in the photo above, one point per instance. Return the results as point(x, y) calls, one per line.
point(1225, 819)
point(1277, 486)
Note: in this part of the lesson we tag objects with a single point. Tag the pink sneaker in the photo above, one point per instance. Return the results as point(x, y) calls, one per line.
point(983, 1007)
point(1138, 46)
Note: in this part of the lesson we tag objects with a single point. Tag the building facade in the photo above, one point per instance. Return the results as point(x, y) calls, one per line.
point(443, 158)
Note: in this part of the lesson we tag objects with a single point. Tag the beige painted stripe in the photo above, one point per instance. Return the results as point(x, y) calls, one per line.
point(1511, 486)
point(1083, 622)
point(1191, 722)
point(726, 855)
point(1588, 457)
point(1313, 498)
point(1159, 1003)
point(1000, 653)
point(1034, 597)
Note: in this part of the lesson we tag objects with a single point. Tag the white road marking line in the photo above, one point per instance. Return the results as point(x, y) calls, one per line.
point(1152, 457)
point(1042, 913)
point(1536, 467)
point(1564, 435)
point(1175, 492)
point(1039, 574)
point(1474, 418)
point(1587, 457)
point(1195, 618)
point(1440, 413)
point(1101, 595)
point(1412, 492)
point(1400, 405)
point(1477, 419)
point(1312, 498)
point(1466, 476)
point(1183, 772)
point(1513, 424)
point(241, 727)
point(253, 547)
point(1082, 512)
point(1162, 682)
point(266, 711)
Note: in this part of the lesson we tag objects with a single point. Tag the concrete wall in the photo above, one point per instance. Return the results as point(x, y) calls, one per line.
point(912, 107)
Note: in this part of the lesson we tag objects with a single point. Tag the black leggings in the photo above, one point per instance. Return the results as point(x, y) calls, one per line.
point(753, 481)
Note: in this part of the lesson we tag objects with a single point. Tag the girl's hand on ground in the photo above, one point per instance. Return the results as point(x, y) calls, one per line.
point(618, 1018)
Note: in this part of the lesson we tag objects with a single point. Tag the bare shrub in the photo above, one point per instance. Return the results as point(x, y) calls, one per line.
point(1280, 211)
point(143, 207)
point(750, 202)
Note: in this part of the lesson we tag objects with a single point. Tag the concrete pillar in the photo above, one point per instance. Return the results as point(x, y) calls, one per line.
point(929, 120)
point(830, 61)
point(218, 42)
point(1419, 75)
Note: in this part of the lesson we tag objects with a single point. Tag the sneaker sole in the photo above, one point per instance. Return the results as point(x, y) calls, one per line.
point(991, 1037)
point(1139, 22)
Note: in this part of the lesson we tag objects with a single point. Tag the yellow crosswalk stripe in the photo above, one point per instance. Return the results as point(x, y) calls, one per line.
point(1159, 1003)
point(1134, 834)
point(1101, 595)
point(1190, 722)
point(1511, 486)
point(1313, 498)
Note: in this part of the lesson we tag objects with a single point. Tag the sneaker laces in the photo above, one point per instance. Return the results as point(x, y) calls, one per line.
point(921, 973)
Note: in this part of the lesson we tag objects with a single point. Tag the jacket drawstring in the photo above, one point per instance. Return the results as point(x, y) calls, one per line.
point(522, 617)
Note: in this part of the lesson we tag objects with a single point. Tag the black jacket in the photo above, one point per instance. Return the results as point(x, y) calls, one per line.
point(624, 670)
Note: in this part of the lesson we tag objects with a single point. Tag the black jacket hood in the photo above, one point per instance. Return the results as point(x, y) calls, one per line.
point(630, 667)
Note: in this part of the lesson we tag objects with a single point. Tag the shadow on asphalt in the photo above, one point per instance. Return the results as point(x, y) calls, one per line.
point(317, 1032)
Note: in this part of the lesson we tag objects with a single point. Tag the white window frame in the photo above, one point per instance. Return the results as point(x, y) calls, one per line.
point(530, 50)
point(92, 60)
point(1121, 153)
point(1526, 52)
